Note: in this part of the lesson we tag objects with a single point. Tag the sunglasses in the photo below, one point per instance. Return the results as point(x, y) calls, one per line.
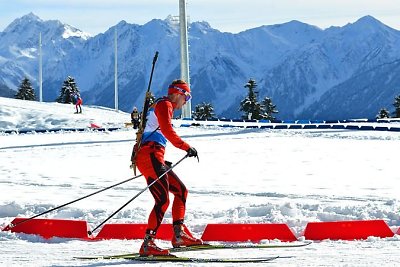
point(188, 96)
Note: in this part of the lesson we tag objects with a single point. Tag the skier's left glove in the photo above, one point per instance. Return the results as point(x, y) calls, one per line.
point(191, 152)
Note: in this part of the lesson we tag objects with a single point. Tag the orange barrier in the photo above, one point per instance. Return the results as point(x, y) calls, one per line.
point(247, 232)
point(48, 228)
point(133, 231)
point(347, 230)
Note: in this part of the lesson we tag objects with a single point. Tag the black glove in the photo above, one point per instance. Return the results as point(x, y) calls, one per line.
point(192, 152)
point(168, 163)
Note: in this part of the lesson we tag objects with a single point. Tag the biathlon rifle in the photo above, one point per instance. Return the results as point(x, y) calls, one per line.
point(143, 116)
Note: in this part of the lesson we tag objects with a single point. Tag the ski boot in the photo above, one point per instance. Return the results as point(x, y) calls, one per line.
point(183, 238)
point(149, 248)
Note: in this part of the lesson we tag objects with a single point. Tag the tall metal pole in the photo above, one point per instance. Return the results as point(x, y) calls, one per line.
point(115, 70)
point(40, 69)
point(186, 110)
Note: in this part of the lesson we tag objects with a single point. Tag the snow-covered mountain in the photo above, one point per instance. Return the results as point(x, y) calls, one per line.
point(341, 72)
point(19, 49)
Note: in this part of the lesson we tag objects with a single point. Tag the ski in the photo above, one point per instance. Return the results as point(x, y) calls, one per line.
point(173, 258)
point(208, 247)
point(236, 246)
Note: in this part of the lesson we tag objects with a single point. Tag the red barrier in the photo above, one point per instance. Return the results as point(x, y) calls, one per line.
point(342, 230)
point(247, 232)
point(49, 228)
point(132, 231)
point(94, 126)
point(347, 230)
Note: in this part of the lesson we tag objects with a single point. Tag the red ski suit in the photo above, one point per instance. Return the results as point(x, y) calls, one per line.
point(150, 162)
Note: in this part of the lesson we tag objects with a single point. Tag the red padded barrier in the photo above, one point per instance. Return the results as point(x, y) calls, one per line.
point(347, 230)
point(398, 232)
point(94, 126)
point(133, 231)
point(49, 228)
point(247, 232)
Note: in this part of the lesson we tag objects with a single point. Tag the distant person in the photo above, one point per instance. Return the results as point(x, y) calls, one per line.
point(78, 103)
point(135, 118)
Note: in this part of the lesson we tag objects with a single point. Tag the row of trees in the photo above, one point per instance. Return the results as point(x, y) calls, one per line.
point(250, 106)
point(69, 88)
point(384, 113)
point(252, 109)
point(265, 109)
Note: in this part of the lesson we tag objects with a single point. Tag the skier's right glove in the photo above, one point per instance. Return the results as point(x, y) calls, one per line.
point(168, 163)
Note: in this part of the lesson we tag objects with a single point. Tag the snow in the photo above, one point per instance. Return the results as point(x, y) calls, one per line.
point(72, 32)
point(244, 176)
point(30, 116)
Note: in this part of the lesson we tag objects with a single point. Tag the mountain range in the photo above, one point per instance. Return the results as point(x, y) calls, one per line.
point(309, 73)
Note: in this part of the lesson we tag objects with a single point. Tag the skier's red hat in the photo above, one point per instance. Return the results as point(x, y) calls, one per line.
point(179, 87)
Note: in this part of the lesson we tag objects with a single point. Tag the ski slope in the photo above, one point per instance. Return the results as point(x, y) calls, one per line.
point(244, 176)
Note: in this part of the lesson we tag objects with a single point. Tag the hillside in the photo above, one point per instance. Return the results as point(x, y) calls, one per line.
point(31, 115)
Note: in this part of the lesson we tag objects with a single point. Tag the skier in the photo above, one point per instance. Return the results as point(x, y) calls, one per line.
point(78, 102)
point(150, 162)
point(135, 118)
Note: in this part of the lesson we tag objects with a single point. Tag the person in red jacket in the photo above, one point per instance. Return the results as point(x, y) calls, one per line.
point(78, 102)
point(150, 162)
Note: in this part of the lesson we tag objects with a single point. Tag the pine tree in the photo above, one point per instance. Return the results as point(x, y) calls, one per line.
point(269, 109)
point(396, 105)
point(25, 90)
point(383, 113)
point(68, 89)
point(249, 105)
point(204, 111)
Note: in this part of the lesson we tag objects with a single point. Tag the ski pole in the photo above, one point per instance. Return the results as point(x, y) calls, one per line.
point(76, 200)
point(138, 194)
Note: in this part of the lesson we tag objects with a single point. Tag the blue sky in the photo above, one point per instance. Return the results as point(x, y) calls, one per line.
point(96, 16)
